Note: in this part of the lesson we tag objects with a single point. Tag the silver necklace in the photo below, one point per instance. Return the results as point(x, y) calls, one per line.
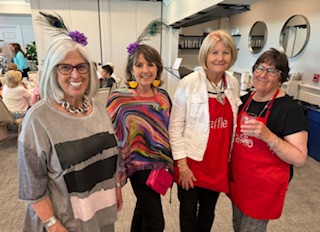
point(79, 110)
point(264, 108)
point(219, 92)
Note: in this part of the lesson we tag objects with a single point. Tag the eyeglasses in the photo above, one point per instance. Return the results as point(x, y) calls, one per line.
point(259, 69)
point(66, 69)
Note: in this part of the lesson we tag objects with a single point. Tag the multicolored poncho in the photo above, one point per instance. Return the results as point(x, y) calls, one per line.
point(141, 126)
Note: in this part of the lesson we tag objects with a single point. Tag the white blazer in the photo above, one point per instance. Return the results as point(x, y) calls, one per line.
point(189, 118)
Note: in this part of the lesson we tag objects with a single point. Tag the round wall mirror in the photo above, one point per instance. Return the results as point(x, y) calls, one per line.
point(257, 37)
point(294, 35)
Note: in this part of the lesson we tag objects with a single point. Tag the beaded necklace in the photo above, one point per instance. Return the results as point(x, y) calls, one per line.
point(79, 110)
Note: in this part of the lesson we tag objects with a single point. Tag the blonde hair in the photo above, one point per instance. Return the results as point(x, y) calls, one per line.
point(211, 40)
point(13, 78)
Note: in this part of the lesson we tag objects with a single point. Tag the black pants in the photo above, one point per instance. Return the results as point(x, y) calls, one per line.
point(197, 208)
point(25, 72)
point(148, 214)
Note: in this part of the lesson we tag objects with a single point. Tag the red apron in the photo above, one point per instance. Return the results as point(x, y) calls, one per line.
point(212, 172)
point(259, 178)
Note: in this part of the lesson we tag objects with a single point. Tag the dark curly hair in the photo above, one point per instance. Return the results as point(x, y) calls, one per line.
point(279, 59)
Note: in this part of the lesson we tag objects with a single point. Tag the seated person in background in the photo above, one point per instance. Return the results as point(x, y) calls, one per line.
point(106, 73)
point(119, 81)
point(3, 62)
point(12, 66)
point(15, 95)
point(36, 91)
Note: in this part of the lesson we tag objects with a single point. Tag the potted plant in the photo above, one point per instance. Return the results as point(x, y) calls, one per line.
point(32, 56)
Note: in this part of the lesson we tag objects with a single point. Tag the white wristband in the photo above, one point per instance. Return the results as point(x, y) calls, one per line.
point(50, 222)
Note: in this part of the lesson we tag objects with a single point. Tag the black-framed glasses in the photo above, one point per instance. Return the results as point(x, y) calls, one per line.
point(66, 69)
point(273, 72)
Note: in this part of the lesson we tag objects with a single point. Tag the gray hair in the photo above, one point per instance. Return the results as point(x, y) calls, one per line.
point(50, 89)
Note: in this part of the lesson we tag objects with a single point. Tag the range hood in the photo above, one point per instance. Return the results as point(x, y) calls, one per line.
point(212, 13)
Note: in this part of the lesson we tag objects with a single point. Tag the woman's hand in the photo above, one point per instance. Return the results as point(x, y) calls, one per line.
point(57, 227)
point(255, 128)
point(119, 198)
point(291, 149)
point(186, 176)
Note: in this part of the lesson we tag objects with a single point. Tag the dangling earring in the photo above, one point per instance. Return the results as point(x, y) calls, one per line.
point(133, 84)
point(156, 83)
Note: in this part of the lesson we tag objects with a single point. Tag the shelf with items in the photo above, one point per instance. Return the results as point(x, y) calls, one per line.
point(190, 41)
point(257, 41)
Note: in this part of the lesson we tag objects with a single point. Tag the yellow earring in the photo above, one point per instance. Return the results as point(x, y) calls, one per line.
point(133, 84)
point(156, 83)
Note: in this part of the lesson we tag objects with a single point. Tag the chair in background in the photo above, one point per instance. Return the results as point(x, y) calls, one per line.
point(6, 116)
point(103, 95)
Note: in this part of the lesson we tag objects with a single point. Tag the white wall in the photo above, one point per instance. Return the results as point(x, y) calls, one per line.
point(121, 22)
point(24, 23)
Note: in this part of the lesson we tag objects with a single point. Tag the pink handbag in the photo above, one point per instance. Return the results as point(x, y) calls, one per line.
point(160, 180)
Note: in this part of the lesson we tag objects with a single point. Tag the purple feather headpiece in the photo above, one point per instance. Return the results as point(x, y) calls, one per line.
point(152, 29)
point(132, 47)
point(78, 37)
point(56, 26)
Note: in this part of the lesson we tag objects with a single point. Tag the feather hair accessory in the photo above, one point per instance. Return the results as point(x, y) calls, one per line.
point(152, 29)
point(54, 24)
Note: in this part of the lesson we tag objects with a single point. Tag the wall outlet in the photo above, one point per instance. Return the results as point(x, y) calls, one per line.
point(316, 78)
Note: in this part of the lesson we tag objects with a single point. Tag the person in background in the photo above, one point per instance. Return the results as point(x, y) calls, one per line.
point(20, 59)
point(266, 146)
point(119, 82)
point(3, 62)
point(140, 116)
point(67, 150)
point(15, 94)
point(12, 66)
point(201, 131)
point(108, 80)
point(36, 91)
point(11, 47)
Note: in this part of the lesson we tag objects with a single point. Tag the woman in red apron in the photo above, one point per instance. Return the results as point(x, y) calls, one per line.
point(266, 146)
point(201, 130)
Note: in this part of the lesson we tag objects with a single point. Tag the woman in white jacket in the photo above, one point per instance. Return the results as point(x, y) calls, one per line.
point(201, 131)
